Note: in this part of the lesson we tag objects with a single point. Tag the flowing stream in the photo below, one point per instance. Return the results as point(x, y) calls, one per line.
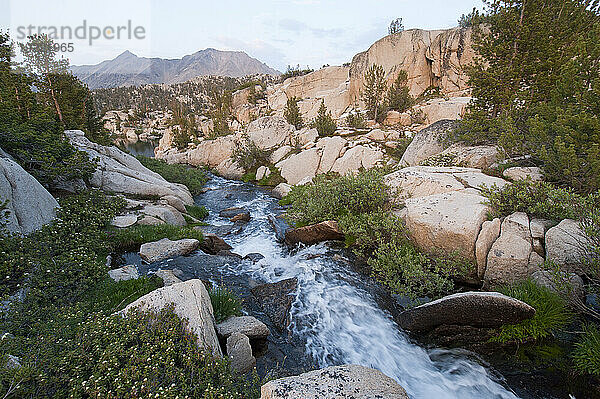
point(336, 317)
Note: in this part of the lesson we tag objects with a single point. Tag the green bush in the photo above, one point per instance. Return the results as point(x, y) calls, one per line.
point(132, 237)
point(324, 123)
point(356, 120)
point(144, 354)
point(537, 199)
point(194, 179)
point(247, 154)
point(330, 197)
point(225, 303)
point(198, 212)
point(291, 113)
point(586, 355)
point(551, 314)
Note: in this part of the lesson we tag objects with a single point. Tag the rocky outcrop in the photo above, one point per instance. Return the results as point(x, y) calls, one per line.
point(421, 181)
point(270, 132)
point(248, 325)
point(191, 301)
point(340, 382)
point(438, 109)
point(477, 309)
point(119, 172)
point(315, 233)
point(29, 204)
point(430, 58)
point(328, 85)
point(164, 249)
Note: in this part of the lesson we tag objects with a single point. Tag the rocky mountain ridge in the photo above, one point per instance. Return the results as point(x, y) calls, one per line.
point(128, 69)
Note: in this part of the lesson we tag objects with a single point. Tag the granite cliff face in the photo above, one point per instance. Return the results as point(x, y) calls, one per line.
point(431, 59)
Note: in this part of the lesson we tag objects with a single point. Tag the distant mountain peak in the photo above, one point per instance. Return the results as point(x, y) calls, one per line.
point(127, 69)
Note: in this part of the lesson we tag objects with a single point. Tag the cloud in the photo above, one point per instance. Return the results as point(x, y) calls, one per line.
point(296, 26)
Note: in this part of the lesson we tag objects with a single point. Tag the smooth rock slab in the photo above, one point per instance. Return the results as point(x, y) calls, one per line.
point(315, 233)
point(338, 382)
point(164, 249)
point(248, 325)
point(192, 302)
point(477, 309)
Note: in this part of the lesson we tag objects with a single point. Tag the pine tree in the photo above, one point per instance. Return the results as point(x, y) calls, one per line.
point(292, 113)
point(324, 122)
point(373, 90)
point(396, 26)
point(398, 96)
point(536, 86)
point(40, 60)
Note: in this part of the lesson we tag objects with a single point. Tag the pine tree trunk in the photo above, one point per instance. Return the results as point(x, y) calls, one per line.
point(60, 118)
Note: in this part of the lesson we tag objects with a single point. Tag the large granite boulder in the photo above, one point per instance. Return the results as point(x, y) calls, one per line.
point(29, 204)
point(510, 257)
point(120, 172)
point(339, 382)
point(428, 142)
point(192, 302)
point(164, 249)
point(300, 166)
point(270, 132)
point(315, 233)
point(477, 309)
point(448, 222)
point(360, 156)
point(566, 244)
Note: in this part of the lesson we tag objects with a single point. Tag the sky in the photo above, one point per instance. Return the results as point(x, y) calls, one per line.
point(278, 32)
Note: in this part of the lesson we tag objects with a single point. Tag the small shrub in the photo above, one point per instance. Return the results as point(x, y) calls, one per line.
point(355, 120)
point(324, 123)
point(586, 355)
point(247, 154)
point(441, 160)
point(406, 271)
point(197, 212)
point(225, 303)
point(291, 113)
point(330, 197)
point(194, 179)
point(551, 314)
point(537, 199)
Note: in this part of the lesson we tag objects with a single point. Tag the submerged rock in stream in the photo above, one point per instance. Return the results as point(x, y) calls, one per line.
point(276, 300)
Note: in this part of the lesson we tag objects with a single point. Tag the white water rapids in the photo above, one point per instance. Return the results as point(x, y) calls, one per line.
point(337, 318)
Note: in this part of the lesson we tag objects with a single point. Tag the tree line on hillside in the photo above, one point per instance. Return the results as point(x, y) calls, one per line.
point(39, 100)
